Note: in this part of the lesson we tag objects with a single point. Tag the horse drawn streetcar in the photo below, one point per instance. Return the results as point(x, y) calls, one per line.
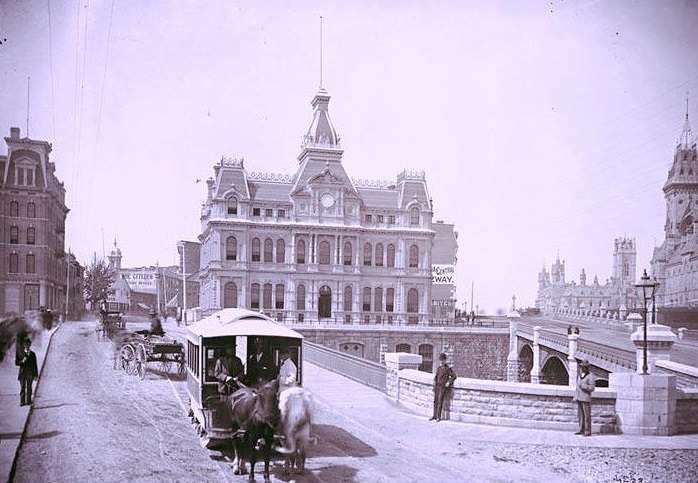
point(207, 341)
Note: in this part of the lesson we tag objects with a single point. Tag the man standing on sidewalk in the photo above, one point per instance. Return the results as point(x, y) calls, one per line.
point(26, 360)
point(586, 382)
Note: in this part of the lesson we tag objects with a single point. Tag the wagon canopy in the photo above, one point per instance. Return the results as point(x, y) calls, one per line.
point(240, 322)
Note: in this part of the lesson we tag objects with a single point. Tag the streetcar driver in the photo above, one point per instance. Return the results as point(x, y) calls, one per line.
point(228, 370)
point(260, 366)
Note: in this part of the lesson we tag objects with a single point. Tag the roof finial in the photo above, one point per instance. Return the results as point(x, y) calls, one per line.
point(321, 52)
point(686, 140)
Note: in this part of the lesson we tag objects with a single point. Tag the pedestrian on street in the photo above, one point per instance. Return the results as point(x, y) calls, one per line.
point(586, 382)
point(26, 360)
point(443, 381)
point(155, 324)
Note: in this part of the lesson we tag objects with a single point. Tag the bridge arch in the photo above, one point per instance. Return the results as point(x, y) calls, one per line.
point(525, 363)
point(554, 372)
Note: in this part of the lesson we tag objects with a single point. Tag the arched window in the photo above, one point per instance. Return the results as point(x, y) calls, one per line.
point(300, 297)
point(414, 256)
point(366, 307)
point(300, 251)
point(280, 251)
point(403, 348)
point(268, 250)
point(391, 255)
point(31, 265)
point(414, 216)
point(14, 208)
point(230, 295)
point(367, 254)
point(254, 296)
point(378, 299)
point(412, 301)
point(348, 254)
point(266, 296)
point(390, 300)
point(325, 302)
point(31, 236)
point(231, 248)
point(379, 254)
point(347, 298)
point(324, 253)
point(256, 248)
point(279, 299)
point(14, 263)
point(232, 205)
point(14, 235)
point(31, 210)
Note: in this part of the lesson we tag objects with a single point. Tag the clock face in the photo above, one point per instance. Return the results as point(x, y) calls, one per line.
point(327, 200)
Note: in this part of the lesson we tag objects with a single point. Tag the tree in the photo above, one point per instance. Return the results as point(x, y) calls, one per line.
point(99, 277)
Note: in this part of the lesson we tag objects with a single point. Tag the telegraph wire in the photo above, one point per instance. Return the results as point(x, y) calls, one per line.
point(50, 59)
point(82, 81)
point(104, 81)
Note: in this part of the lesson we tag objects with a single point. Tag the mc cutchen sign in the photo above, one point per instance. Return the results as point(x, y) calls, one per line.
point(443, 274)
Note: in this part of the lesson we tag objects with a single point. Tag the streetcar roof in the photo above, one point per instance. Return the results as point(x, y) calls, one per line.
point(240, 322)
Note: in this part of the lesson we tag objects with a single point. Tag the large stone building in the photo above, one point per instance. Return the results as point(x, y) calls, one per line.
point(618, 293)
point(675, 261)
point(320, 246)
point(33, 212)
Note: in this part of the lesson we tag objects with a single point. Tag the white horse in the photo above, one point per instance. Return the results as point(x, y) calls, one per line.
point(296, 407)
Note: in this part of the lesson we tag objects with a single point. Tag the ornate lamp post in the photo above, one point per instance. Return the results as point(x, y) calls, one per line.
point(648, 288)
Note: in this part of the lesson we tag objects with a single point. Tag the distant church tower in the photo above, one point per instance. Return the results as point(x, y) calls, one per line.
point(624, 261)
point(558, 272)
point(115, 257)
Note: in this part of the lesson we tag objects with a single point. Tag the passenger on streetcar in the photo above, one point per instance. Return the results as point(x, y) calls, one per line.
point(260, 366)
point(287, 372)
point(228, 371)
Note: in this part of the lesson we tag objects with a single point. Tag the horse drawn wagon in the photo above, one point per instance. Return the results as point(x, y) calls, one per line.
point(249, 333)
point(139, 348)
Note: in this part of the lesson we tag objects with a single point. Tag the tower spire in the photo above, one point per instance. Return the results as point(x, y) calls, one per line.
point(686, 140)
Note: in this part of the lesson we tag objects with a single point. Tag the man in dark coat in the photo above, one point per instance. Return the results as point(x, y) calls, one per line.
point(28, 371)
point(260, 366)
point(443, 381)
point(155, 324)
point(586, 382)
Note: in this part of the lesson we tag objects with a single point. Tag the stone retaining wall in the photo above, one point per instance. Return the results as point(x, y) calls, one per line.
point(687, 411)
point(499, 402)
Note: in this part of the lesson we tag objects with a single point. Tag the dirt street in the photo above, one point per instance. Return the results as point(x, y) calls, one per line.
point(93, 423)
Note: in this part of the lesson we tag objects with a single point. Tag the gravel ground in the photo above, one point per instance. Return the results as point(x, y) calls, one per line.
point(93, 423)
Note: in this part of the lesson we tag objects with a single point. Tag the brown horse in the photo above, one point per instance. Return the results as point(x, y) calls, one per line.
point(295, 405)
point(254, 415)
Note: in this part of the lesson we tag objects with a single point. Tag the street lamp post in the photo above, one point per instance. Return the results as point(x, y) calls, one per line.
point(648, 288)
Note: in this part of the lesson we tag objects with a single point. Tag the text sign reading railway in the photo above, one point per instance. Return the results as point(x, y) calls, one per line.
point(443, 274)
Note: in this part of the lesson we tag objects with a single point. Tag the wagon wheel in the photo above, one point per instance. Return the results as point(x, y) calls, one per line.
point(165, 363)
point(142, 360)
point(128, 356)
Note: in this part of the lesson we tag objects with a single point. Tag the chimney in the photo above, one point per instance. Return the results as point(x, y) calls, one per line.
point(14, 133)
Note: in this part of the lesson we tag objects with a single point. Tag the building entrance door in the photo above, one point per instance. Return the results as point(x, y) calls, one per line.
point(325, 303)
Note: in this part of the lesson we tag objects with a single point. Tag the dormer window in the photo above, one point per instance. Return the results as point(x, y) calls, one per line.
point(25, 173)
point(232, 206)
point(414, 216)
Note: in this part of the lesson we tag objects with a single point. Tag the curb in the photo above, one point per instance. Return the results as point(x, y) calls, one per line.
point(11, 476)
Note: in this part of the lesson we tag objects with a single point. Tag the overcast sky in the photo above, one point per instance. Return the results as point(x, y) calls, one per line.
point(543, 127)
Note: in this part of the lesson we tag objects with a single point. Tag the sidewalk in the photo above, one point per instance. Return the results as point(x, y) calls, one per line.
point(13, 417)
